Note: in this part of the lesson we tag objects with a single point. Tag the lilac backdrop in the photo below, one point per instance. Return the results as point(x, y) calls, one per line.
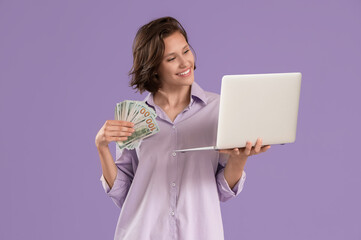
point(64, 64)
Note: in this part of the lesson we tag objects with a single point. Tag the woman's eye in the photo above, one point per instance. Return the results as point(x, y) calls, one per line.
point(170, 59)
point(186, 51)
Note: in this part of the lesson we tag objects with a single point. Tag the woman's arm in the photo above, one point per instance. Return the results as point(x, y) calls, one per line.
point(238, 158)
point(108, 165)
point(112, 130)
point(233, 171)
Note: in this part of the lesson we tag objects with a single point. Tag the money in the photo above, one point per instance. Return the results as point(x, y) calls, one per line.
point(143, 117)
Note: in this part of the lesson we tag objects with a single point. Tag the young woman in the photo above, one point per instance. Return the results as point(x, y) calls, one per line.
point(163, 194)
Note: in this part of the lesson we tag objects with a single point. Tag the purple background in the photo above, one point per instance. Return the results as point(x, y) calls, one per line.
point(64, 65)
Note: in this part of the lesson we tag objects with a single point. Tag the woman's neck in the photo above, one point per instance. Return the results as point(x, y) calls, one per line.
point(173, 102)
point(173, 98)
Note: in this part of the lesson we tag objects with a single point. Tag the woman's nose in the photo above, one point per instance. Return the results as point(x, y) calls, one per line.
point(182, 62)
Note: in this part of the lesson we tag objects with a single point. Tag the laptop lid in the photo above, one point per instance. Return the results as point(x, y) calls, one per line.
point(258, 105)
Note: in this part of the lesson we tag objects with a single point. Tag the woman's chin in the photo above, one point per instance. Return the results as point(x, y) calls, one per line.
point(188, 81)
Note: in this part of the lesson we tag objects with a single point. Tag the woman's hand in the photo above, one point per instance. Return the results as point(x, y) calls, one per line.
point(113, 130)
point(241, 154)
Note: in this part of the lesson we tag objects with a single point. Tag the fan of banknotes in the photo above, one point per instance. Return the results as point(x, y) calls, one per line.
point(142, 116)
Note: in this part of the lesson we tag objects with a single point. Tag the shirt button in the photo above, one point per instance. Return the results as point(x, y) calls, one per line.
point(173, 184)
point(174, 154)
point(173, 127)
point(172, 213)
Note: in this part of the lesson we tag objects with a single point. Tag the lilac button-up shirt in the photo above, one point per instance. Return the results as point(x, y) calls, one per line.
point(167, 195)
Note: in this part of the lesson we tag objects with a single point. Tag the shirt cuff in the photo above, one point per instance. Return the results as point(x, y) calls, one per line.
point(119, 187)
point(239, 185)
point(225, 192)
point(105, 184)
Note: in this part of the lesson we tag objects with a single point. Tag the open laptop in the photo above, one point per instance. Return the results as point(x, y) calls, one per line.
point(257, 105)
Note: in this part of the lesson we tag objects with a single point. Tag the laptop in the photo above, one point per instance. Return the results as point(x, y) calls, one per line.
point(257, 105)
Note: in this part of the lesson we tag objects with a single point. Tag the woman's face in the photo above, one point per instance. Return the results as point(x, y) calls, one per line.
point(177, 66)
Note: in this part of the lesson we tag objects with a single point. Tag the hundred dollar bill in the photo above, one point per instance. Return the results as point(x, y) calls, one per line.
point(142, 130)
point(143, 118)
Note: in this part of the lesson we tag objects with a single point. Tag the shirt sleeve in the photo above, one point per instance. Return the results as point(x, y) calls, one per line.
point(224, 191)
point(125, 173)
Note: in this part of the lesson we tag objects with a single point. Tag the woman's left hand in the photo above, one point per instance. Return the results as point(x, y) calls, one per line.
point(241, 154)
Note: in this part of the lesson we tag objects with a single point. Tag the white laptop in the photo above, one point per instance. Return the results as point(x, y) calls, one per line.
point(257, 105)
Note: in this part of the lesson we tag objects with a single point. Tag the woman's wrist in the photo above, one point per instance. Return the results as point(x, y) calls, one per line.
point(233, 171)
point(102, 148)
point(237, 162)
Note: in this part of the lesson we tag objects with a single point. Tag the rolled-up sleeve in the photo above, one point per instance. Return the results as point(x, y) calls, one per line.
point(224, 191)
point(125, 173)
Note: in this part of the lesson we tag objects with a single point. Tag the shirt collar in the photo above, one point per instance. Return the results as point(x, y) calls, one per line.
point(196, 93)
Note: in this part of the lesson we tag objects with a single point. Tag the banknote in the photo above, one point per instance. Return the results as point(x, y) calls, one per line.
point(143, 117)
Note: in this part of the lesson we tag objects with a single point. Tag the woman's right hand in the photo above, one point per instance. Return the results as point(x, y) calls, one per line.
point(113, 130)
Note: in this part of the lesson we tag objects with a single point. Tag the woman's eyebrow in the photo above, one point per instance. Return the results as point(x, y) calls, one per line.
point(186, 46)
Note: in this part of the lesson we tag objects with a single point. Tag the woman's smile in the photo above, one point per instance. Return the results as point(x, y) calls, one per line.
point(186, 73)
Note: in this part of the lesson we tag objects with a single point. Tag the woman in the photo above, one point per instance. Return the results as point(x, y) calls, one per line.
point(163, 194)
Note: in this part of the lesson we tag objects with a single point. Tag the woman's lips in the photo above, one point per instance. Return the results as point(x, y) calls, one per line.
point(186, 73)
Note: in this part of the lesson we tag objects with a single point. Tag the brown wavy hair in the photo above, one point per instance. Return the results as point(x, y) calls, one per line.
point(148, 50)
